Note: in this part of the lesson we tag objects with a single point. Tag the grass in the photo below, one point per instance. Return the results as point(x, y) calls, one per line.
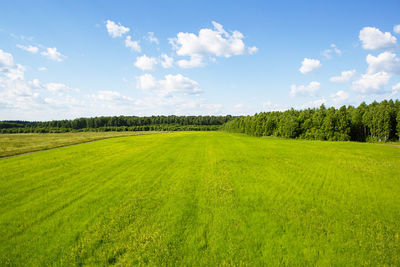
point(202, 198)
point(14, 144)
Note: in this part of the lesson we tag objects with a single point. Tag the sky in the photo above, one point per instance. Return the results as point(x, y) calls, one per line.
point(70, 59)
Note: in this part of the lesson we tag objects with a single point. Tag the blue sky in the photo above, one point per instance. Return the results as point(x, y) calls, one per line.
point(68, 59)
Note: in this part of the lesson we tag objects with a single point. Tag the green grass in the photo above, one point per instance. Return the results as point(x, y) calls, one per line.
point(14, 144)
point(202, 198)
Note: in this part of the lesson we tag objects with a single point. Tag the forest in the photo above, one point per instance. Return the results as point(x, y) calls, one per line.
point(373, 122)
point(367, 122)
point(118, 123)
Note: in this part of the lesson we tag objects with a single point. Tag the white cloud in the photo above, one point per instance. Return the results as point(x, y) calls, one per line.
point(373, 39)
point(15, 73)
point(167, 62)
point(193, 62)
point(30, 48)
point(59, 87)
point(111, 96)
point(146, 63)
point(380, 69)
point(152, 38)
point(340, 97)
point(252, 50)
point(18, 94)
point(328, 52)
point(396, 29)
point(337, 50)
point(42, 69)
point(344, 77)
point(304, 90)
point(53, 54)
point(66, 101)
point(116, 30)
point(6, 59)
point(178, 105)
point(371, 83)
point(172, 84)
point(9, 69)
point(396, 89)
point(314, 104)
point(32, 100)
point(209, 42)
point(147, 82)
point(308, 65)
point(386, 61)
point(214, 42)
point(133, 45)
point(24, 99)
point(269, 106)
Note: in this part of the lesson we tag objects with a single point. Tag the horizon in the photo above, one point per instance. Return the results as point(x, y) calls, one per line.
point(67, 60)
point(209, 115)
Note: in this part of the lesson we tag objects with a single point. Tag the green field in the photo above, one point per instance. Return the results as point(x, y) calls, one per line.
point(202, 198)
point(14, 144)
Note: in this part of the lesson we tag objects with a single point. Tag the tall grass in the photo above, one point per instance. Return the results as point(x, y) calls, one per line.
point(197, 198)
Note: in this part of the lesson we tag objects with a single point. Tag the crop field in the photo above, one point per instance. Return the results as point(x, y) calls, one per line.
point(202, 199)
point(14, 144)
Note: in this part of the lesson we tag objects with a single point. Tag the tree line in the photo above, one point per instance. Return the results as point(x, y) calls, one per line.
point(373, 122)
point(118, 123)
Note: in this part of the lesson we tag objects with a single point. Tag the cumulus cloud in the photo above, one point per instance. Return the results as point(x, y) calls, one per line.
point(372, 39)
point(193, 62)
point(328, 52)
point(172, 84)
point(396, 29)
point(340, 97)
point(371, 83)
point(396, 89)
point(31, 99)
point(8, 68)
point(313, 104)
point(380, 69)
point(304, 90)
point(269, 106)
point(252, 50)
point(152, 38)
point(386, 61)
point(166, 62)
point(6, 59)
point(116, 30)
point(30, 48)
point(64, 102)
point(53, 54)
point(145, 63)
point(147, 82)
point(133, 45)
point(209, 42)
point(19, 96)
point(42, 69)
point(111, 96)
point(309, 65)
point(344, 77)
point(14, 73)
point(59, 87)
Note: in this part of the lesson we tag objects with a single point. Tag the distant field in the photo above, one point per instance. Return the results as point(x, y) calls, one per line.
point(13, 144)
point(202, 198)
